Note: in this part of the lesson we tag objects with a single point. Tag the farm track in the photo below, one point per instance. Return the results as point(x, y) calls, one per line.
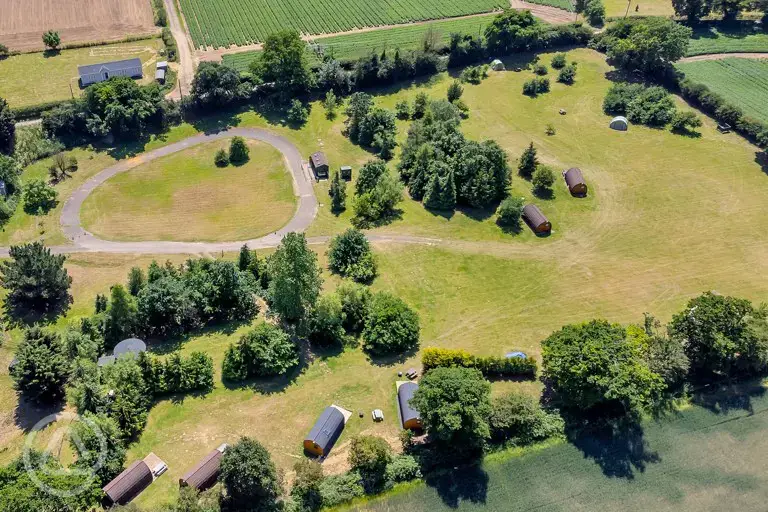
point(720, 56)
point(186, 56)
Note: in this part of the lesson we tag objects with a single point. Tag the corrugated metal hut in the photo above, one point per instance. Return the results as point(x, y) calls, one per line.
point(206, 472)
point(536, 220)
point(575, 181)
point(128, 484)
point(409, 416)
point(319, 163)
point(325, 432)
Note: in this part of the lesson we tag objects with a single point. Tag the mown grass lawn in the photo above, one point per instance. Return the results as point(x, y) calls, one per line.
point(710, 40)
point(186, 197)
point(40, 77)
point(708, 457)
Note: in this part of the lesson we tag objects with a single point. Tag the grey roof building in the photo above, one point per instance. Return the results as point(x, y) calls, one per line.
point(95, 73)
point(326, 431)
point(410, 417)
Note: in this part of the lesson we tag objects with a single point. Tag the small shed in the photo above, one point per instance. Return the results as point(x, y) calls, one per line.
point(163, 64)
point(497, 65)
point(325, 432)
point(575, 181)
point(410, 417)
point(206, 472)
point(128, 484)
point(319, 163)
point(160, 76)
point(619, 123)
point(346, 172)
point(536, 220)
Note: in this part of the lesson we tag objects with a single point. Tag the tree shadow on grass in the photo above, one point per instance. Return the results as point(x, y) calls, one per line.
point(616, 444)
point(545, 194)
point(391, 359)
point(219, 122)
point(28, 413)
point(172, 344)
point(761, 158)
point(464, 484)
point(724, 397)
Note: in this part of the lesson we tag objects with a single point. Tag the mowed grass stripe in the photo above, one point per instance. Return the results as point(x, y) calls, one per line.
point(742, 82)
point(222, 22)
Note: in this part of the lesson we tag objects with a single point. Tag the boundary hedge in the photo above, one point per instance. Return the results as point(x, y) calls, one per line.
point(490, 366)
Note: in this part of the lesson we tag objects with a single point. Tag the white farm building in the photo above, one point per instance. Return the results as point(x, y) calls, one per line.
point(95, 73)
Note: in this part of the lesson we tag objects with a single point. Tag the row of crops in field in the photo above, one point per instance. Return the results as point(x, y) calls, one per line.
point(710, 40)
point(742, 82)
point(220, 23)
point(566, 5)
point(354, 46)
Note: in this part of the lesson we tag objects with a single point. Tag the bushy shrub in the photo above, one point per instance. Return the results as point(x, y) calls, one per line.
point(559, 61)
point(510, 211)
point(339, 489)
point(39, 197)
point(567, 75)
point(490, 366)
point(221, 159)
point(594, 11)
point(176, 374)
point(519, 418)
point(349, 255)
point(540, 69)
point(420, 105)
point(619, 96)
point(238, 150)
point(402, 468)
point(654, 106)
point(264, 351)
point(455, 90)
point(41, 368)
point(536, 86)
point(354, 305)
point(403, 110)
point(543, 179)
point(297, 113)
point(327, 321)
point(684, 121)
point(391, 326)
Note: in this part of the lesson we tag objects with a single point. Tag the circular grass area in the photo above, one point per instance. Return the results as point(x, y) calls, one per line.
point(184, 197)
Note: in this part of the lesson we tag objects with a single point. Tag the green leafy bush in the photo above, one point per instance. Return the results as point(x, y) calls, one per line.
point(339, 489)
point(349, 255)
point(264, 351)
point(402, 468)
point(519, 418)
point(536, 86)
point(221, 159)
point(39, 197)
point(391, 326)
point(510, 211)
point(559, 61)
point(567, 75)
point(238, 151)
point(490, 366)
point(540, 69)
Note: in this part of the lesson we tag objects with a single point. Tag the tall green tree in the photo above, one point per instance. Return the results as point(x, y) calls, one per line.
point(349, 254)
point(649, 44)
point(99, 445)
point(7, 128)
point(338, 193)
point(528, 162)
point(722, 335)
point(121, 316)
point(250, 477)
point(512, 31)
point(42, 367)
point(51, 39)
point(455, 405)
point(283, 61)
point(216, 85)
point(692, 10)
point(295, 278)
point(391, 326)
point(597, 364)
point(137, 280)
point(36, 281)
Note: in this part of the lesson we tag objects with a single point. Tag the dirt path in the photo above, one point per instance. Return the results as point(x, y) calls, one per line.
point(547, 13)
point(186, 57)
point(720, 56)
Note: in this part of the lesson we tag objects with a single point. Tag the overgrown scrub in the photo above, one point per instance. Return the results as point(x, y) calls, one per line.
point(177, 374)
point(265, 351)
point(490, 366)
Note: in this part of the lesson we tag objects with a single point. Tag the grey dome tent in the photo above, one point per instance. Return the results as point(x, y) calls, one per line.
point(619, 123)
point(497, 65)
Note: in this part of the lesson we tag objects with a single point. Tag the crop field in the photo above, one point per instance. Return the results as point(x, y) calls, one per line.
point(702, 459)
point(23, 21)
point(222, 23)
point(712, 40)
point(354, 46)
point(638, 8)
point(20, 82)
point(743, 82)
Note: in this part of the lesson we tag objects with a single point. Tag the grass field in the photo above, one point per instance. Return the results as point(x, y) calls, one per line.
point(712, 40)
point(226, 22)
point(703, 459)
point(667, 218)
point(354, 46)
point(618, 8)
point(33, 78)
point(193, 200)
point(742, 82)
point(77, 21)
